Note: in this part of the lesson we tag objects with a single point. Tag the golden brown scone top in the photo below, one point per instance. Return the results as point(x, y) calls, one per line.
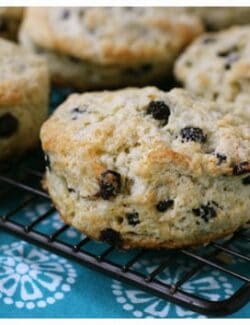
point(198, 138)
point(113, 35)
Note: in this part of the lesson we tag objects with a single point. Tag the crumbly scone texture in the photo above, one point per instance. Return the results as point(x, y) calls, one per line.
point(10, 19)
point(24, 91)
point(146, 168)
point(216, 18)
point(115, 35)
point(217, 66)
point(79, 74)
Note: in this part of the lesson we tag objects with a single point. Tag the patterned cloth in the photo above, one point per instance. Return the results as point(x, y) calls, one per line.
point(37, 284)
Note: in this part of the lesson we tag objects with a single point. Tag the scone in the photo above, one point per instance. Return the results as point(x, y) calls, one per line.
point(215, 18)
point(69, 71)
point(146, 168)
point(217, 66)
point(24, 90)
point(10, 19)
point(91, 48)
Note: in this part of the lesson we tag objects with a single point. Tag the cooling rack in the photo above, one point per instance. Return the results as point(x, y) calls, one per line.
point(23, 181)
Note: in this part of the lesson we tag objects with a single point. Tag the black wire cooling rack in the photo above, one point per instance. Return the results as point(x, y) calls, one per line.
point(223, 256)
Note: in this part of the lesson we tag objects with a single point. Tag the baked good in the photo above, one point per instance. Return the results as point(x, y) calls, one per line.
point(24, 89)
point(69, 71)
point(215, 18)
point(10, 19)
point(146, 168)
point(91, 48)
point(217, 66)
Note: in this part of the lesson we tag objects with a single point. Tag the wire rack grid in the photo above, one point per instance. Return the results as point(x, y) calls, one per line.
point(22, 180)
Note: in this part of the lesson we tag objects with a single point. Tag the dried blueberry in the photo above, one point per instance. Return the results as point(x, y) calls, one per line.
point(159, 110)
point(8, 125)
point(65, 14)
point(221, 158)
point(47, 162)
point(241, 168)
point(246, 180)
point(190, 133)
point(133, 218)
point(77, 111)
point(111, 237)
point(231, 56)
point(162, 206)
point(230, 60)
point(206, 212)
point(208, 40)
point(110, 184)
point(214, 203)
point(227, 52)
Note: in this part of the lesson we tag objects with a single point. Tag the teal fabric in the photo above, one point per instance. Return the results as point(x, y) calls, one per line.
point(37, 284)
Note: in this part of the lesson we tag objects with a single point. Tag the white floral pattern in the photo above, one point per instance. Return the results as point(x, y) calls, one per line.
point(33, 278)
point(213, 286)
point(55, 222)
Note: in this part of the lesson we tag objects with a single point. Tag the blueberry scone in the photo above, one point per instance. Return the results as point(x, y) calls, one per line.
point(217, 66)
point(24, 88)
point(92, 48)
point(215, 18)
point(10, 19)
point(146, 168)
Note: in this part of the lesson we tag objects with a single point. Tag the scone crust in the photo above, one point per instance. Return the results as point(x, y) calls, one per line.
point(24, 91)
point(203, 182)
point(112, 35)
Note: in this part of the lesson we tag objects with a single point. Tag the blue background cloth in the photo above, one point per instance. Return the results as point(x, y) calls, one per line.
point(35, 283)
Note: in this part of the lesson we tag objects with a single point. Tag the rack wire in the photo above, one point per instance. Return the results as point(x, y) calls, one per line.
point(23, 179)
